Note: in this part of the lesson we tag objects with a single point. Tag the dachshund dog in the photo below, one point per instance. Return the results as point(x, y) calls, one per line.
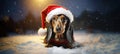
point(60, 32)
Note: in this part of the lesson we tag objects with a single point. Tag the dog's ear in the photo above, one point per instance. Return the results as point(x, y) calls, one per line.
point(69, 31)
point(69, 34)
point(49, 35)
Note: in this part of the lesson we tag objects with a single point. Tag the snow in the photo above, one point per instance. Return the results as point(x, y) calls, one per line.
point(91, 43)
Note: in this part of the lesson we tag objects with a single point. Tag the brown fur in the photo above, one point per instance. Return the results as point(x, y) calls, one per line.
point(59, 24)
point(60, 32)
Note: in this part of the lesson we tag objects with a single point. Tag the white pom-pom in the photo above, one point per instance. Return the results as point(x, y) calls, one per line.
point(42, 31)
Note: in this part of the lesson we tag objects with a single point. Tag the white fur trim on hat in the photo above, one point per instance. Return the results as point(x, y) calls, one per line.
point(59, 11)
point(42, 31)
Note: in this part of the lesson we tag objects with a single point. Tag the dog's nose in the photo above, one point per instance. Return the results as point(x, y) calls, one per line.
point(58, 29)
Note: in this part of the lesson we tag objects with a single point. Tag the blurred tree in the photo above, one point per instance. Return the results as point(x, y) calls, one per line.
point(7, 25)
point(29, 23)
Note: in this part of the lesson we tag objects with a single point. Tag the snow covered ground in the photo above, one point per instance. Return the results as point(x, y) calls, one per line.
point(91, 43)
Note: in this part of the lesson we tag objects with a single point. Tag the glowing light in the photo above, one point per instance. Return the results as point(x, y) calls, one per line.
point(36, 5)
point(41, 1)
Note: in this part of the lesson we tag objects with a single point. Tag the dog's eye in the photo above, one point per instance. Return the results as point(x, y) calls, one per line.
point(63, 20)
point(53, 18)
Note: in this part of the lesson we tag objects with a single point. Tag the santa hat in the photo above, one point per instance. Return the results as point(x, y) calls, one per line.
point(49, 12)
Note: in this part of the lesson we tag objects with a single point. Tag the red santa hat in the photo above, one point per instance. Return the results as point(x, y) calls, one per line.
point(49, 12)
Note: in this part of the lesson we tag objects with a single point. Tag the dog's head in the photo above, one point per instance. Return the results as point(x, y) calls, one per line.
point(59, 23)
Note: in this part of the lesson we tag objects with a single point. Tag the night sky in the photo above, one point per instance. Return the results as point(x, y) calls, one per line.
point(18, 9)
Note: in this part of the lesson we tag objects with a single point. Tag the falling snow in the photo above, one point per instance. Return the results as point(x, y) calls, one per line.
point(20, 11)
point(8, 11)
point(77, 7)
point(14, 2)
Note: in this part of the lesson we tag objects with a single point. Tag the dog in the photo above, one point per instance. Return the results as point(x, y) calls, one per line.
point(60, 33)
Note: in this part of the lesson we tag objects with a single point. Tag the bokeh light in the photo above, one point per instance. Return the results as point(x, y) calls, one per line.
point(36, 5)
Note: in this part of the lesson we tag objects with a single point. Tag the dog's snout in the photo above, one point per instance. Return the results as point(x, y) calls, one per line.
point(58, 28)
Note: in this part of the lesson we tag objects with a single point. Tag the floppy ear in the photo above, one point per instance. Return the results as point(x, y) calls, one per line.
point(49, 35)
point(69, 34)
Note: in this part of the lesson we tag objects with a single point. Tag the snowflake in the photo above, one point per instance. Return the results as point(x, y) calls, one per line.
point(14, 2)
point(20, 11)
point(77, 7)
point(22, 15)
point(8, 10)
point(96, 18)
point(81, 28)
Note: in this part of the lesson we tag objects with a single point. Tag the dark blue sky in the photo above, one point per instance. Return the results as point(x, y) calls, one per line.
point(17, 9)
